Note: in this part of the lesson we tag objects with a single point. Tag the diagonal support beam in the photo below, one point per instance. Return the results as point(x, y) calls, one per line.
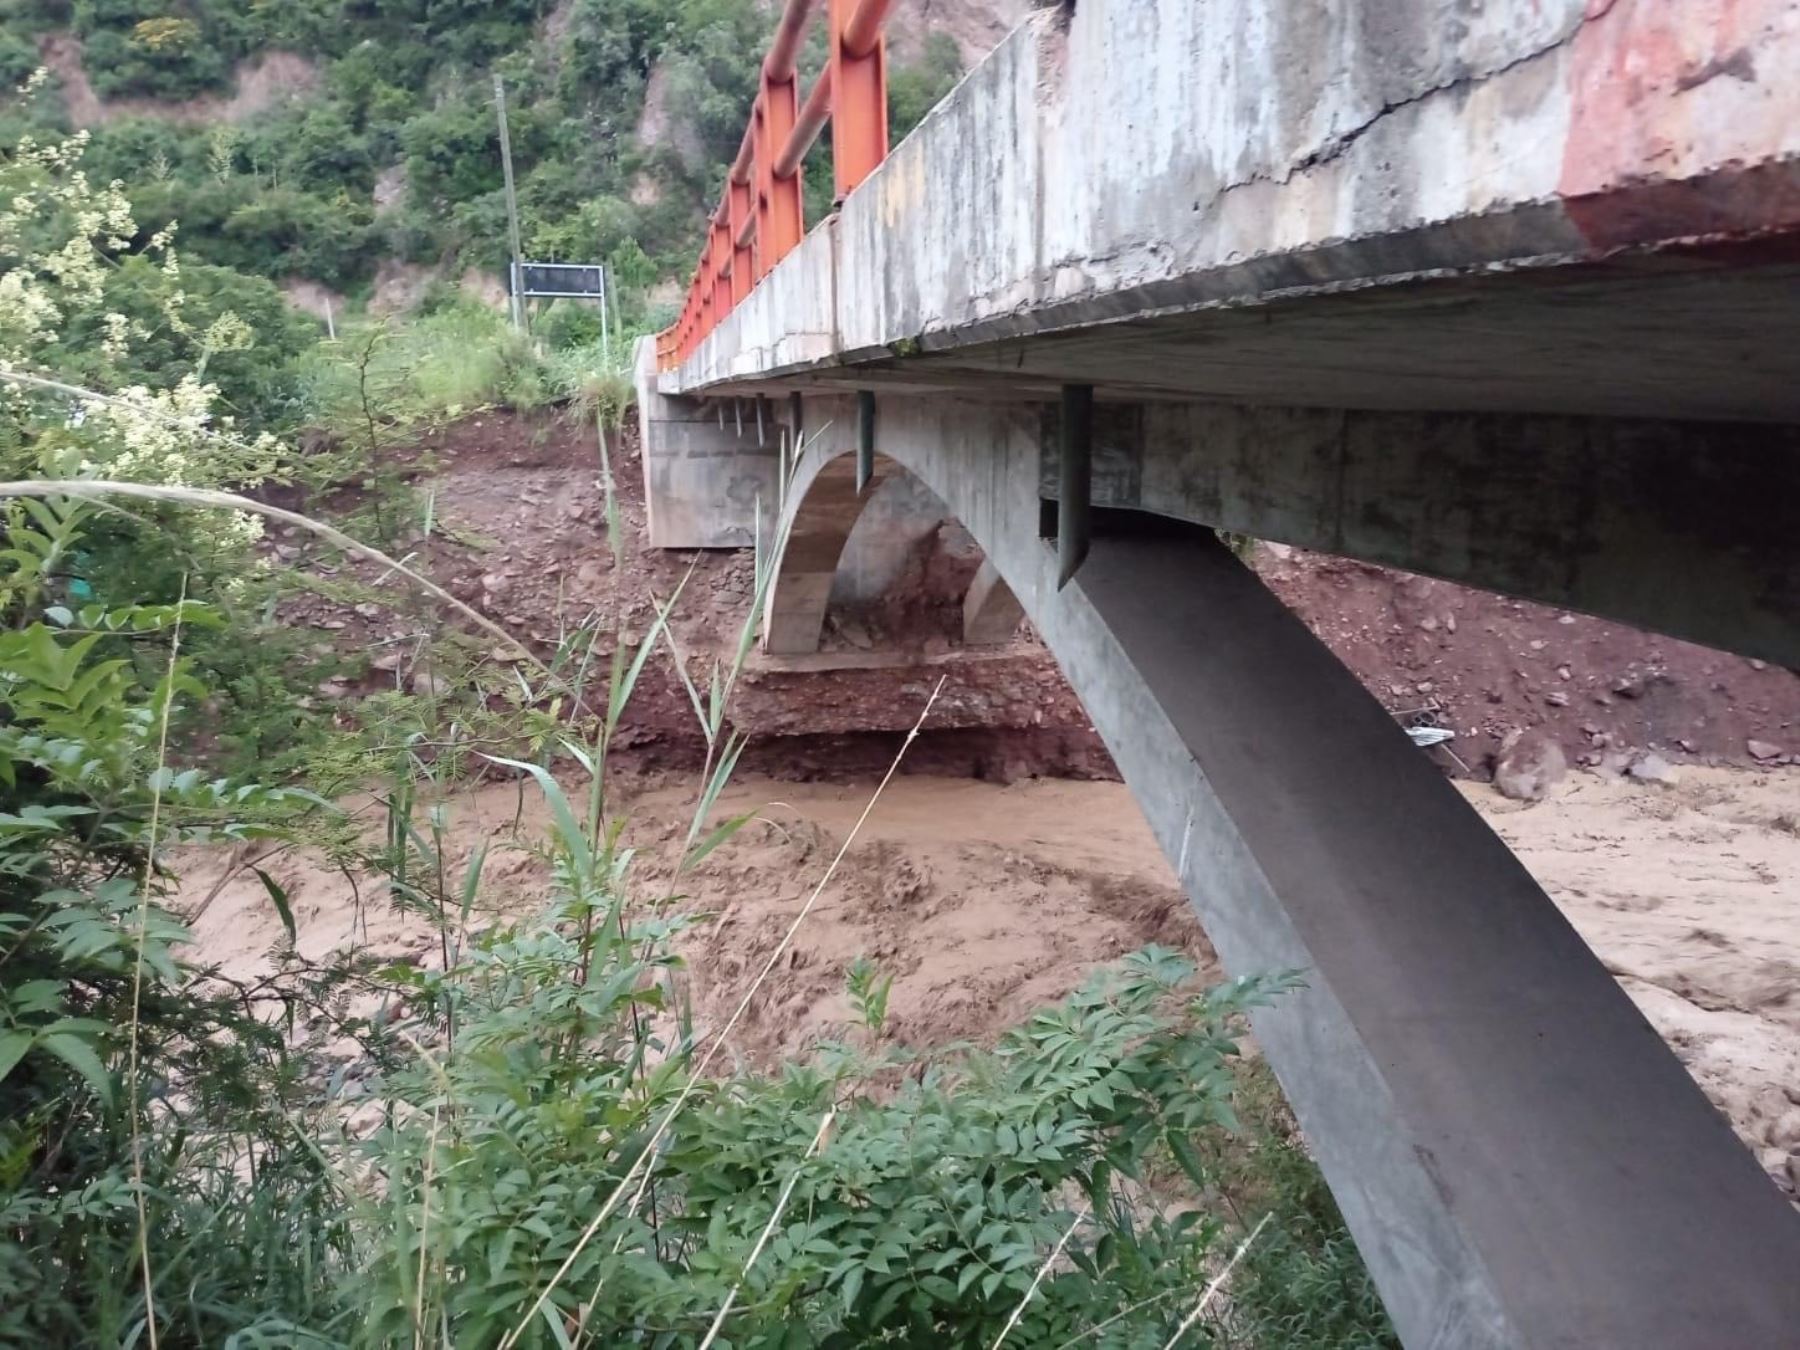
point(1523, 1161)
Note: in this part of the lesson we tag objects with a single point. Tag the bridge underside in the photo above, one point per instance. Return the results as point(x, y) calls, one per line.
point(1627, 447)
point(1522, 1160)
point(1507, 294)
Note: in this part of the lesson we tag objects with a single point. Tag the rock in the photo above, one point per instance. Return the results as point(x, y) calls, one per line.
point(856, 635)
point(1428, 624)
point(1557, 699)
point(1637, 683)
point(1614, 764)
point(1449, 623)
point(1686, 745)
point(388, 661)
point(1564, 673)
point(1538, 644)
point(1762, 749)
point(1424, 686)
point(369, 611)
point(937, 645)
point(1530, 766)
point(1754, 663)
point(1651, 767)
point(427, 685)
point(1565, 618)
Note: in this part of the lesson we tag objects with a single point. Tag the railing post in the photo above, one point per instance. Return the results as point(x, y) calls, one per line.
point(762, 156)
point(718, 255)
point(859, 130)
point(742, 263)
point(785, 223)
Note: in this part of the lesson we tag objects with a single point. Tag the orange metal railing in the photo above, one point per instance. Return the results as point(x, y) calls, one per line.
point(759, 219)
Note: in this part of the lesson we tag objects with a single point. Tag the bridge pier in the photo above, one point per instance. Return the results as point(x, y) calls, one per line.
point(1522, 1160)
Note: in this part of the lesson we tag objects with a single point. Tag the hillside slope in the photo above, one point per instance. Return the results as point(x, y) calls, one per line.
point(329, 143)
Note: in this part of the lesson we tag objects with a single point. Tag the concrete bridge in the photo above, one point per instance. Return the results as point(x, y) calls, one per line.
point(1506, 293)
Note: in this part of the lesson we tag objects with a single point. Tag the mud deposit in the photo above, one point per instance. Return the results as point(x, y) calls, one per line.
point(985, 901)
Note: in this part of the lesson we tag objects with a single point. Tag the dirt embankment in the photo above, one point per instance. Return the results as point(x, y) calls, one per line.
point(1484, 666)
point(258, 84)
point(521, 536)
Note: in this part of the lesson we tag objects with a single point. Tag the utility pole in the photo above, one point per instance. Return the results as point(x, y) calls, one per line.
point(605, 321)
point(512, 211)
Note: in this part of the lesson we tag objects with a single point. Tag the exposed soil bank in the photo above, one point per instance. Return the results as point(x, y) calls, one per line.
point(521, 536)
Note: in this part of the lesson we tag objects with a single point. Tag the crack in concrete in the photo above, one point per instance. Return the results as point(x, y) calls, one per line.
point(1336, 146)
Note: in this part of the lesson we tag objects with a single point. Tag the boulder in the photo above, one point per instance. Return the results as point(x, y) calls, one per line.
point(1529, 767)
point(1651, 767)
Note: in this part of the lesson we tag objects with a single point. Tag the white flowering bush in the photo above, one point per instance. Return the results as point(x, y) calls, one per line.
point(72, 399)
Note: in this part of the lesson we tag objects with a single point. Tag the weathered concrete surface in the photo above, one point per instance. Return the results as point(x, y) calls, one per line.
point(702, 481)
point(1161, 162)
point(818, 522)
point(897, 519)
point(1688, 528)
point(1521, 1159)
point(991, 612)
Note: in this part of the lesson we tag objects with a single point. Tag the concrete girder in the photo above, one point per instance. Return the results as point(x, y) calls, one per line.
point(821, 525)
point(818, 520)
point(1522, 1160)
point(1686, 528)
point(1167, 163)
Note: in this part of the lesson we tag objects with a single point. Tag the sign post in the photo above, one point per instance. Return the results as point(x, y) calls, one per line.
point(515, 289)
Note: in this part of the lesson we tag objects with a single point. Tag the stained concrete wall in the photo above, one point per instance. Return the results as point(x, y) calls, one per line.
point(1521, 1159)
point(702, 480)
point(897, 518)
point(1111, 160)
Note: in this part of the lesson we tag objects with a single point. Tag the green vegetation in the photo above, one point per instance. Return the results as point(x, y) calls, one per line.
point(527, 1139)
point(403, 91)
